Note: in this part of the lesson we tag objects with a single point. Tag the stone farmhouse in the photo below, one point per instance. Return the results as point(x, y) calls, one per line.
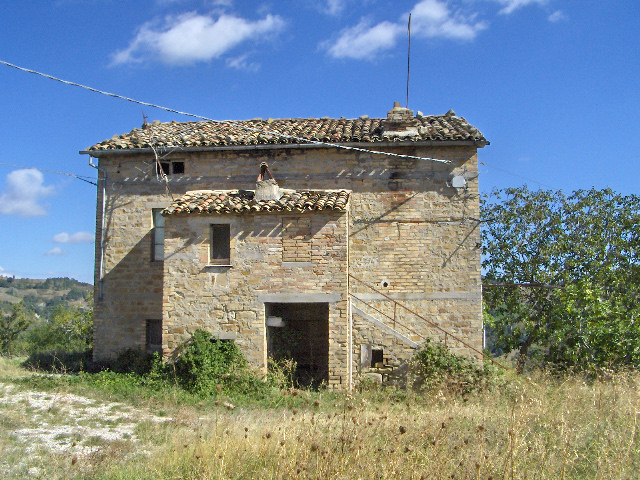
point(340, 243)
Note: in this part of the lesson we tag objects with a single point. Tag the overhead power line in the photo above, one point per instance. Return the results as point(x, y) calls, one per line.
point(79, 177)
point(490, 165)
point(222, 122)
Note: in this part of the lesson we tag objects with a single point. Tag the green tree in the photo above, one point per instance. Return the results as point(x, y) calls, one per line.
point(562, 275)
point(68, 330)
point(12, 326)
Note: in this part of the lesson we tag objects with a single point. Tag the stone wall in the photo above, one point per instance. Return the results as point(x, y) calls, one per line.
point(230, 301)
point(411, 236)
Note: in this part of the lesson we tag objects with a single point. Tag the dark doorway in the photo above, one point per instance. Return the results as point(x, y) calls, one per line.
point(300, 332)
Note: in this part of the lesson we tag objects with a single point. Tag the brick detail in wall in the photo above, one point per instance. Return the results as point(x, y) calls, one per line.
point(296, 239)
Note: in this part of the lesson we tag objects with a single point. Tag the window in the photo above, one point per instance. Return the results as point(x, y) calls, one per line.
point(220, 244)
point(154, 336)
point(157, 244)
point(377, 357)
point(172, 168)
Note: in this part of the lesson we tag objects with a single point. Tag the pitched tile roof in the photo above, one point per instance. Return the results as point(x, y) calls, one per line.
point(242, 201)
point(448, 127)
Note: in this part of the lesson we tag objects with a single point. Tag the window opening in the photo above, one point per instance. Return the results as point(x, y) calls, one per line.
point(157, 247)
point(154, 336)
point(220, 244)
point(172, 168)
point(377, 357)
point(178, 168)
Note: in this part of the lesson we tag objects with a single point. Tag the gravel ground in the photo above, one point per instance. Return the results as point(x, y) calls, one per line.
point(36, 424)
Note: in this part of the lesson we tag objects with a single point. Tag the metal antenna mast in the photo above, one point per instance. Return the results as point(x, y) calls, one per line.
point(408, 58)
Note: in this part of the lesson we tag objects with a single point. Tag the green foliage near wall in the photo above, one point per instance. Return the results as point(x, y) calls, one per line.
point(435, 366)
point(562, 276)
point(207, 366)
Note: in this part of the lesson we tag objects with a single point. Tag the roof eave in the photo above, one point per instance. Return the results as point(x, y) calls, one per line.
point(280, 146)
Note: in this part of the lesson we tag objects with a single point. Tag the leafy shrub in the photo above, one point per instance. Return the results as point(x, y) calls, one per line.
point(435, 366)
point(132, 360)
point(59, 362)
point(206, 366)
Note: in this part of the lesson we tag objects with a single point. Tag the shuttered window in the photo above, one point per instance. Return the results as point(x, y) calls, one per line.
point(157, 247)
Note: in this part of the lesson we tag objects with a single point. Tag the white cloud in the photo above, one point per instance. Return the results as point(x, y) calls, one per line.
point(334, 7)
point(511, 6)
point(23, 193)
point(191, 38)
point(364, 41)
point(430, 18)
point(79, 237)
point(241, 63)
point(56, 251)
point(557, 16)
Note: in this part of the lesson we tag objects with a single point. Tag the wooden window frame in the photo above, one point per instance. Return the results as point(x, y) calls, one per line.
point(220, 245)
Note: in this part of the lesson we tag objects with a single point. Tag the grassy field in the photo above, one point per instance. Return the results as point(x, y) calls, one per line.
point(108, 426)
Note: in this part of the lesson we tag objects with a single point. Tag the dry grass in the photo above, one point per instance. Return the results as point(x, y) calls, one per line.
point(537, 428)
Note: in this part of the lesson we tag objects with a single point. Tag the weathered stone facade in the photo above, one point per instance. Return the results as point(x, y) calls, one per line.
point(230, 301)
point(406, 231)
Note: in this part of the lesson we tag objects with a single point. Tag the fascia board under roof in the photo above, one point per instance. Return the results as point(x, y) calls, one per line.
point(286, 146)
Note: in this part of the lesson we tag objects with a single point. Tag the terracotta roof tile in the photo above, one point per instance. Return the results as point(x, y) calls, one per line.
point(448, 127)
point(242, 201)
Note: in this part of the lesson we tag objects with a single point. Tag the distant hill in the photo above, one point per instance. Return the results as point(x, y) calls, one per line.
point(41, 297)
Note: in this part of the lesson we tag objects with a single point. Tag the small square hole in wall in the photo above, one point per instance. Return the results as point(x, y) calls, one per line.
point(377, 357)
point(171, 167)
point(178, 168)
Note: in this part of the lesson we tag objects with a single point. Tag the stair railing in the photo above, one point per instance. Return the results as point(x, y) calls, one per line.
point(437, 327)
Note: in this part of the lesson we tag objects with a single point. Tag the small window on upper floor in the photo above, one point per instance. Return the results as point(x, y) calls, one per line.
point(172, 167)
point(220, 250)
point(157, 238)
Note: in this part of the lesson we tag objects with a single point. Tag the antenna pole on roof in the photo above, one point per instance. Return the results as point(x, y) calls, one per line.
point(408, 58)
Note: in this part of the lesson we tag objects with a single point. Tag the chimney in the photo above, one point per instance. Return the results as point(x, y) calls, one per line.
point(400, 122)
point(266, 189)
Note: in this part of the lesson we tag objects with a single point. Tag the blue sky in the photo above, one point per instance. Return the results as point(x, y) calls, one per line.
point(553, 84)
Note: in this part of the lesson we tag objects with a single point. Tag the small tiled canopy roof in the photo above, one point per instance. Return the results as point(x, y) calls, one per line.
point(257, 132)
point(242, 201)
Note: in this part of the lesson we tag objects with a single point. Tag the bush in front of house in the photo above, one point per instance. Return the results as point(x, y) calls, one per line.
point(207, 366)
point(436, 367)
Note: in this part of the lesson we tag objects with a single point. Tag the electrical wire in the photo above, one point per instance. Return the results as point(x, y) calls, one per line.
point(221, 122)
point(516, 175)
point(233, 124)
point(79, 177)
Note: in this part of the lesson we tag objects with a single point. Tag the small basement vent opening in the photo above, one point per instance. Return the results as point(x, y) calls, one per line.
point(371, 356)
point(377, 357)
point(300, 332)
